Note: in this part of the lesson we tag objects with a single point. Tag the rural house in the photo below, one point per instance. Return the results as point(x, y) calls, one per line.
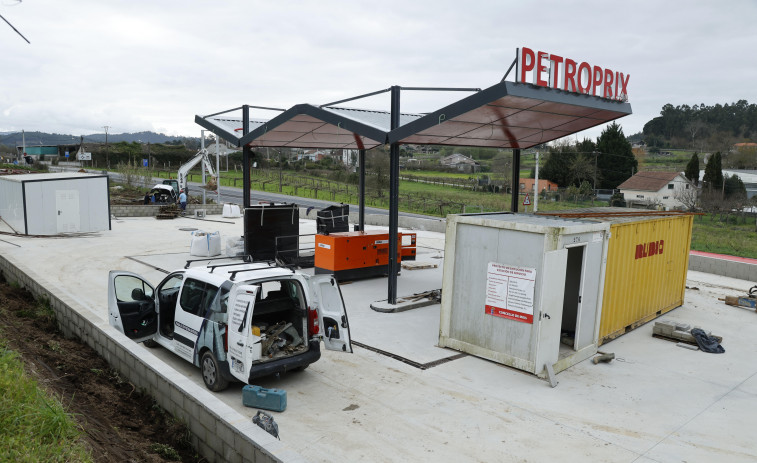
point(460, 162)
point(656, 189)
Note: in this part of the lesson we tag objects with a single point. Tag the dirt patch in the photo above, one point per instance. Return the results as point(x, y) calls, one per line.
point(119, 423)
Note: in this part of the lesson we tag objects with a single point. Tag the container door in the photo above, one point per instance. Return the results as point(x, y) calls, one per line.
point(239, 331)
point(67, 207)
point(332, 315)
point(131, 305)
point(550, 308)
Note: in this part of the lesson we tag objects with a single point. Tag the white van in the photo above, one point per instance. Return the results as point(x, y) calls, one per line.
point(236, 321)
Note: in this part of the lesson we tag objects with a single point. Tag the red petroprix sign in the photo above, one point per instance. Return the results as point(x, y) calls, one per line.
point(554, 71)
point(649, 249)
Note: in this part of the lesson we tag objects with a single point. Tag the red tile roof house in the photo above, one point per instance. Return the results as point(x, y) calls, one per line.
point(527, 185)
point(658, 189)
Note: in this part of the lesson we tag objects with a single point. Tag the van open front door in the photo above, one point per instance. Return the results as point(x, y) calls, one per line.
point(332, 314)
point(244, 346)
point(131, 305)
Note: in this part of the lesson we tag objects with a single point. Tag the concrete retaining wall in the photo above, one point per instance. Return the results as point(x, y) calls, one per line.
point(219, 433)
point(740, 270)
point(142, 210)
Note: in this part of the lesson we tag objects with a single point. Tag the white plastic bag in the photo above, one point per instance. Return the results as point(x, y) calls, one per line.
point(234, 247)
point(231, 211)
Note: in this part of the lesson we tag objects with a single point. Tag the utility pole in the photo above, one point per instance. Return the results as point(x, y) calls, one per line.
point(107, 154)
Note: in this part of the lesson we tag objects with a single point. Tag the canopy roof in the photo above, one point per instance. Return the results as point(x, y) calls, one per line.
point(510, 115)
point(505, 115)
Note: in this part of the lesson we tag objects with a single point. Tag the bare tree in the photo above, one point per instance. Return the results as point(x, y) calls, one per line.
point(689, 198)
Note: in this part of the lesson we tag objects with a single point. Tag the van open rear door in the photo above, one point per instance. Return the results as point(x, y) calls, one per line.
point(332, 315)
point(244, 346)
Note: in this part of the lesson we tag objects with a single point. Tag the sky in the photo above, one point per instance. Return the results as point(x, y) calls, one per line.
point(137, 65)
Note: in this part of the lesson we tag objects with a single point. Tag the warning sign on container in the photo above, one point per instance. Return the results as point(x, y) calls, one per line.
point(510, 292)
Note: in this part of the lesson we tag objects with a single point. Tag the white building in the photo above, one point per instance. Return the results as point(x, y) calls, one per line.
point(749, 177)
point(656, 189)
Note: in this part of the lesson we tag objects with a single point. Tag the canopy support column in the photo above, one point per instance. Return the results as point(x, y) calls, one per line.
point(246, 150)
point(361, 191)
point(394, 194)
point(516, 180)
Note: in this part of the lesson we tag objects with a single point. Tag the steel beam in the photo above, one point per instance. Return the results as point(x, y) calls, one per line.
point(394, 195)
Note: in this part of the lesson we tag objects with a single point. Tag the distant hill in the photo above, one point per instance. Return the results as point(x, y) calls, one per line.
point(42, 138)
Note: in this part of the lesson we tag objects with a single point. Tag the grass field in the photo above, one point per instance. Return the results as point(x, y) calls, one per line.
point(718, 237)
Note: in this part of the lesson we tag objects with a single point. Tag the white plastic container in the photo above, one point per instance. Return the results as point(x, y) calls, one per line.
point(231, 211)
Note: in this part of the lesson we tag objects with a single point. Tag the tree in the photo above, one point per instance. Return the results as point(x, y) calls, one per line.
point(713, 173)
point(556, 167)
point(692, 169)
point(615, 160)
point(687, 197)
point(734, 188)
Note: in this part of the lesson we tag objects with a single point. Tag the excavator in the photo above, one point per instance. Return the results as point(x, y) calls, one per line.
point(180, 183)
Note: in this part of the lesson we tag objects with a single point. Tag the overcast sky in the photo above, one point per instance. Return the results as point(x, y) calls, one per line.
point(139, 65)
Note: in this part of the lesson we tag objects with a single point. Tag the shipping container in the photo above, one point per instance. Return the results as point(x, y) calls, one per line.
point(52, 203)
point(647, 261)
point(523, 290)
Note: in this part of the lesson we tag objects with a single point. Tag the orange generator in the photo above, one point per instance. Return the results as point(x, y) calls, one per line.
point(354, 255)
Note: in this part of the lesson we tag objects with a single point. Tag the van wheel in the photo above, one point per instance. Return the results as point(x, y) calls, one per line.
point(211, 373)
point(150, 343)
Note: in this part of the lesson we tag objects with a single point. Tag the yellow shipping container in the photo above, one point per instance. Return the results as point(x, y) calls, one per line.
point(647, 261)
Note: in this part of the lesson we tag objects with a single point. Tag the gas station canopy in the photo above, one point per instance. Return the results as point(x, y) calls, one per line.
point(505, 115)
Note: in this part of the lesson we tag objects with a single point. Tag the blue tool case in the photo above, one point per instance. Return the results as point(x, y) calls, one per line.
point(267, 399)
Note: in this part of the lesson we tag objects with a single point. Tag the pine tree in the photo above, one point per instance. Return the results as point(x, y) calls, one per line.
point(692, 169)
point(713, 173)
point(615, 161)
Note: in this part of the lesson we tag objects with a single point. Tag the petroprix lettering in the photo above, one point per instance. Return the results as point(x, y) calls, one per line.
point(554, 71)
point(649, 249)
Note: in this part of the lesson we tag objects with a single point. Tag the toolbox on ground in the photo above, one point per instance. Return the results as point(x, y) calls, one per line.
point(353, 255)
point(267, 399)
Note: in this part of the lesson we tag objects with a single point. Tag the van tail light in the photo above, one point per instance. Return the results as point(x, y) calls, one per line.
point(313, 327)
point(226, 339)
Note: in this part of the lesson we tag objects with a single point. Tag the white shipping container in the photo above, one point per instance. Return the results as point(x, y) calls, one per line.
point(523, 290)
point(48, 204)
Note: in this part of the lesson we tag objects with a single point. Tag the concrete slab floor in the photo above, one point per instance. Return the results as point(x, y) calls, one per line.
point(654, 403)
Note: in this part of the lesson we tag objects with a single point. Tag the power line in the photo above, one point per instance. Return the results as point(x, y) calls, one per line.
point(17, 31)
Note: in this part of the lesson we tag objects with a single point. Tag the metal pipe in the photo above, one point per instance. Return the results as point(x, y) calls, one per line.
point(394, 186)
point(355, 97)
point(443, 89)
point(221, 112)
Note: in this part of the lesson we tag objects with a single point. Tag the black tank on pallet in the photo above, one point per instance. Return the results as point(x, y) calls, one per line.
point(333, 219)
point(263, 223)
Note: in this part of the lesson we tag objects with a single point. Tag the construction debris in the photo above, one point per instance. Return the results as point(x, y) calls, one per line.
point(749, 301)
point(410, 265)
point(433, 295)
point(170, 211)
point(680, 332)
point(603, 357)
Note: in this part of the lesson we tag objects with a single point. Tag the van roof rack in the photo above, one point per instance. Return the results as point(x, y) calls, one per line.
point(271, 264)
point(246, 259)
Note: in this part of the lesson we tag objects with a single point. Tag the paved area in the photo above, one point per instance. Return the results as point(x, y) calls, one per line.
point(655, 403)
